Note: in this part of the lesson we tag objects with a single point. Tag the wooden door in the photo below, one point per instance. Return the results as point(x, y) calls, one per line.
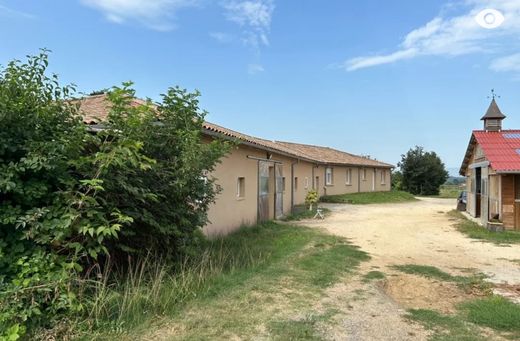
point(278, 197)
point(517, 202)
point(263, 191)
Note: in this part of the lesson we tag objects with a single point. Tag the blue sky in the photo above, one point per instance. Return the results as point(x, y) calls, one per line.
point(369, 77)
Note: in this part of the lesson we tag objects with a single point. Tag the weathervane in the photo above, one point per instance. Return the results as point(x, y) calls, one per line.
point(493, 94)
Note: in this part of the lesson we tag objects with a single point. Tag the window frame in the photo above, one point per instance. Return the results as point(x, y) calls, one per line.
point(348, 177)
point(329, 172)
point(241, 188)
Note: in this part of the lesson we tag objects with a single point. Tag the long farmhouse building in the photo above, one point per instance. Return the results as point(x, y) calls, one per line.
point(262, 179)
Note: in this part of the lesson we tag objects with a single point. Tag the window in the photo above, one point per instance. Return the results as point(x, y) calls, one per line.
point(306, 182)
point(348, 180)
point(328, 176)
point(283, 184)
point(241, 187)
point(295, 183)
point(383, 177)
point(364, 174)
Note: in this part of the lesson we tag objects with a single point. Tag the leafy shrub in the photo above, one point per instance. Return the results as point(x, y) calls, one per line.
point(69, 197)
point(311, 198)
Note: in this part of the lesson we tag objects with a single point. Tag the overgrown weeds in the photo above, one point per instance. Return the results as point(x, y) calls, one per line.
point(254, 261)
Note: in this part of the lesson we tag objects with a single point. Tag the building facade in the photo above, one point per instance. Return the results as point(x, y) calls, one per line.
point(492, 170)
point(261, 180)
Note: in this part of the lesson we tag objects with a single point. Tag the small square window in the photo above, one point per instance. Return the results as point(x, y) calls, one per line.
point(295, 183)
point(241, 187)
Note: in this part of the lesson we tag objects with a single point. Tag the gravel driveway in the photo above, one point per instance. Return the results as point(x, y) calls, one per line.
point(407, 233)
point(421, 233)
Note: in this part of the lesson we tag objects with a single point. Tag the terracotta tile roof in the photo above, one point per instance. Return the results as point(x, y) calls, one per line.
point(95, 109)
point(332, 156)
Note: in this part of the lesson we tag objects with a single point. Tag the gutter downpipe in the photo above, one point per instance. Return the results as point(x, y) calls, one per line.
point(359, 180)
point(292, 182)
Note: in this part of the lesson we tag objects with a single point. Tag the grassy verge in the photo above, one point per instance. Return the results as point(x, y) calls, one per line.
point(475, 231)
point(301, 212)
point(491, 311)
point(373, 275)
point(467, 283)
point(369, 198)
point(241, 286)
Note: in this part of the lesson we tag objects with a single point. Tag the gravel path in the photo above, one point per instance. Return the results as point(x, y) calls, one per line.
point(407, 233)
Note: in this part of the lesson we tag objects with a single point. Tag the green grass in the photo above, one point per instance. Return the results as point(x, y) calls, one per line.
point(232, 289)
point(301, 212)
point(369, 198)
point(425, 271)
point(467, 283)
point(373, 275)
point(305, 328)
point(445, 327)
point(450, 191)
point(494, 312)
point(475, 231)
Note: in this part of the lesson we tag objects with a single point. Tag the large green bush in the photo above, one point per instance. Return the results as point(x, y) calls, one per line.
point(70, 198)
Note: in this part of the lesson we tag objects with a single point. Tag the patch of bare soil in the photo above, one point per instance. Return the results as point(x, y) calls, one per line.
point(511, 292)
point(417, 292)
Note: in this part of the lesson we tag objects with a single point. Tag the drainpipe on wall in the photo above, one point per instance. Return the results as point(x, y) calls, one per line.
point(359, 180)
point(292, 183)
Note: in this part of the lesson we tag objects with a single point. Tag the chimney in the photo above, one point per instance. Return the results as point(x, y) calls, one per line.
point(493, 117)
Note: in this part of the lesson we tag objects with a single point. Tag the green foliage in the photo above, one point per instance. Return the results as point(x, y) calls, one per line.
point(422, 172)
point(369, 198)
point(397, 180)
point(69, 197)
point(311, 198)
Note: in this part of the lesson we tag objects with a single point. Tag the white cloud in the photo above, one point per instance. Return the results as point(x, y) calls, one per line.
point(156, 14)
point(253, 69)
point(506, 64)
point(4, 10)
point(450, 36)
point(221, 37)
point(254, 16)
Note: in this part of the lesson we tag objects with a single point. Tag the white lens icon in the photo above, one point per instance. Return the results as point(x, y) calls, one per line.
point(489, 18)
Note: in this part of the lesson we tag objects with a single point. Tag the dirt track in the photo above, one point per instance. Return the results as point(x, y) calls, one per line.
point(420, 233)
point(408, 233)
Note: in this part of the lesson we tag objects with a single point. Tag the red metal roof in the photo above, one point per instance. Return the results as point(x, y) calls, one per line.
point(501, 148)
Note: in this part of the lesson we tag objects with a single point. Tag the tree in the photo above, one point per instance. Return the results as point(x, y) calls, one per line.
point(422, 172)
point(69, 197)
point(397, 180)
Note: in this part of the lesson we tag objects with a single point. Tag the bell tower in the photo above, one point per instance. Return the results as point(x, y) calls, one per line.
point(493, 117)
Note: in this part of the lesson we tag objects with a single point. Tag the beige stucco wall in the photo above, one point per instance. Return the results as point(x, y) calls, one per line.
point(230, 212)
point(303, 171)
